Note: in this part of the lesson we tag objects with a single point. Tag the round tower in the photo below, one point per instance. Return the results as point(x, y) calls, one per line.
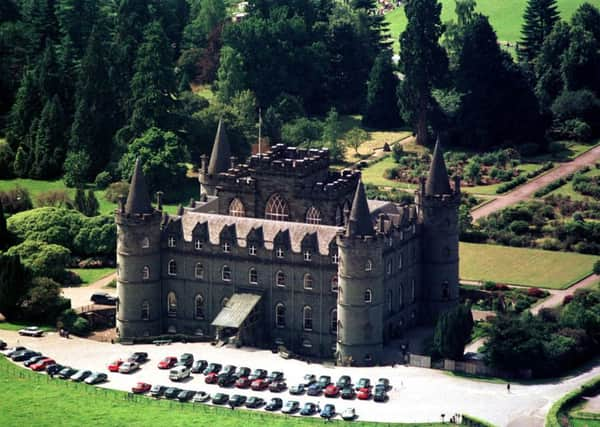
point(438, 210)
point(138, 262)
point(361, 289)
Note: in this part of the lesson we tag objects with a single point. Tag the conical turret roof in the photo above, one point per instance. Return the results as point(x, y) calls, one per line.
point(359, 222)
point(220, 157)
point(437, 180)
point(138, 200)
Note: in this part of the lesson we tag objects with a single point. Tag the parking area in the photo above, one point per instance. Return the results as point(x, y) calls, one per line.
point(416, 395)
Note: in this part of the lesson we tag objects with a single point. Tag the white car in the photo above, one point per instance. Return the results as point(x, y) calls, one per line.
point(349, 414)
point(31, 331)
point(201, 396)
point(128, 367)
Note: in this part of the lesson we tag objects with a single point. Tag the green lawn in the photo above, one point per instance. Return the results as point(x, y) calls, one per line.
point(490, 190)
point(374, 175)
point(522, 266)
point(15, 326)
point(30, 399)
point(91, 275)
point(571, 149)
point(567, 189)
point(505, 16)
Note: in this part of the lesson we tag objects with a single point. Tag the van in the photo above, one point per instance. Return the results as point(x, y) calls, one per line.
point(179, 373)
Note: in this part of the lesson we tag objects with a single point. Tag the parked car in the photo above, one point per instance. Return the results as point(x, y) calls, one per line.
point(228, 369)
point(172, 392)
point(237, 400)
point(179, 373)
point(328, 411)
point(309, 379)
point(42, 364)
point(31, 331)
point(242, 382)
point(344, 381)
point(201, 396)
point(324, 380)
point(33, 360)
point(242, 371)
point(277, 386)
point(297, 389)
point(185, 395)
point(54, 369)
point(314, 390)
point(383, 382)
point(308, 409)
point(66, 373)
point(128, 367)
point(96, 378)
point(103, 298)
point(254, 402)
point(275, 376)
point(348, 393)
point(157, 390)
point(363, 383)
point(81, 375)
point(364, 393)
point(291, 406)
point(225, 380)
point(114, 366)
point(138, 357)
point(186, 359)
point(220, 398)
point(211, 378)
point(331, 391)
point(9, 352)
point(2, 345)
point(258, 374)
point(24, 355)
point(212, 368)
point(380, 395)
point(167, 363)
point(349, 414)
point(199, 366)
point(141, 388)
point(274, 405)
point(259, 384)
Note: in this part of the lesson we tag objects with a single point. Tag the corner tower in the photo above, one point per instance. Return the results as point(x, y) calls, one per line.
point(138, 262)
point(220, 160)
point(438, 206)
point(361, 289)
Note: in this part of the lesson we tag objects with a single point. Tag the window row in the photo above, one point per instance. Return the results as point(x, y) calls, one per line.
point(307, 318)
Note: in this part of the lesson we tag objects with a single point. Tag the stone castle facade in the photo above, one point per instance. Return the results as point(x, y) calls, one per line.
point(281, 250)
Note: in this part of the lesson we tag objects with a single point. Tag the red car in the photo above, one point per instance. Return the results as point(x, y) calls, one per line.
point(259, 384)
point(242, 382)
point(141, 388)
point(211, 378)
point(332, 391)
point(364, 393)
point(114, 367)
point(167, 363)
point(42, 364)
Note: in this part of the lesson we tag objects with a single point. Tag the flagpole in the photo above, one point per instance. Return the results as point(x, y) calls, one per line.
point(259, 133)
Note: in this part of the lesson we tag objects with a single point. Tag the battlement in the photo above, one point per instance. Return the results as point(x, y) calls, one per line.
point(285, 160)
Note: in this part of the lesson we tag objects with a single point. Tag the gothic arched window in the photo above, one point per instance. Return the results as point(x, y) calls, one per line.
point(369, 265)
point(145, 273)
point(277, 208)
point(334, 283)
point(199, 307)
point(280, 315)
point(236, 208)
point(280, 278)
point(172, 269)
point(307, 319)
point(199, 271)
point(171, 304)
point(308, 281)
point(253, 276)
point(313, 215)
point(145, 310)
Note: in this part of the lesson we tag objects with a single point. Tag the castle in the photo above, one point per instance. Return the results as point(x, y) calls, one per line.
point(281, 250)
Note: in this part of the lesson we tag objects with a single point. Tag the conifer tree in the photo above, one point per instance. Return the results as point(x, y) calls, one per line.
point(230, 76)
point(80, 201)
point(91, 204)
point(381, 109)
point(49, 147)
point(26, 107)
point(539, 19)
point(4, 235)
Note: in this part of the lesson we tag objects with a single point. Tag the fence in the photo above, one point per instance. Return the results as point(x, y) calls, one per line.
point(470, 367)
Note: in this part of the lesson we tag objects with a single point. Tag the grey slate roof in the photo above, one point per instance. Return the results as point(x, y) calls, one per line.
point(138, 200)
point(437, 180)
point(360, 222)
point(220, 157)
point(236, 310)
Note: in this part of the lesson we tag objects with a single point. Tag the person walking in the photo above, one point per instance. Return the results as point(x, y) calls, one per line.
point(508, 387)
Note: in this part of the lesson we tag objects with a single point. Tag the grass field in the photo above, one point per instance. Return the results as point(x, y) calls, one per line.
point(505, 16)
point(91, 275)
point(567, 189)
point(490, 190)
point(374, 175)
point(521, 266)
point(34, 399)
point(15, 326)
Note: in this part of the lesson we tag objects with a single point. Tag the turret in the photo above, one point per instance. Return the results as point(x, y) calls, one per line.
point(361, 289)
point(138, 262)
point(220, 161)
point(438, 212)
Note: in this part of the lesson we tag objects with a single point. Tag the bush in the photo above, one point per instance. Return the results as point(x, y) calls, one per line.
point(574, 129)
point(81, 327)
point(503, 188)
point(43, 259)
point(56, 198)
point(597, 267)
point(102, 180)
point(567, 299)
point(519, 227)
point(391, 173)
point(551, 187)
point(43, 301)
point(489, 285)
point(116, 190)
point(579, 105)
point(15, 200)
point(536, 293)
point(72, 322)
point(397, 152)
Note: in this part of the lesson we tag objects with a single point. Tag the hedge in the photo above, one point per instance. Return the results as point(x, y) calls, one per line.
point(569, 400)
point(469, 420)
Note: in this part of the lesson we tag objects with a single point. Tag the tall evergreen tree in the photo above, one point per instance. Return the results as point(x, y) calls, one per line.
point(539, 19)
point(376, 23)
point(76, 20)
point(91, 204)
point(14, 284)
point(41, 19)
point(49, 147)
point(206, 15)
point(48, 74)
point(454, 33)
point(381, 110)
point(547, 65)
point(4, 234)
point(26, 107)
point(423, 61)
point(80, 202)
point(231, 78)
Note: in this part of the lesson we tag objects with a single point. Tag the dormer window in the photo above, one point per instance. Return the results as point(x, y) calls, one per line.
point(226, 247)
point(279, 252)
point(171, 242)
point(198, 244)
point(335, 258)
point(307, 255)
point(252, 250)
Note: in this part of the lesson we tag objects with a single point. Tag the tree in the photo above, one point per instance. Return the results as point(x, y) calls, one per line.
point(453, 332)
point(14, 283)
point(302, 131)
point(332, 133)
point(77, 165)
point(91, 204)
point(43, 301)
point(43, 259)
point(423, 61)
point(231, 77)
point(454, 33)
point(538, 21)
point(49, 146)
point(4, 234)
point(581, 61)
point(207, 14)
point(80, 200)
point(381, 110)
point(25, 108)
point(355, 137)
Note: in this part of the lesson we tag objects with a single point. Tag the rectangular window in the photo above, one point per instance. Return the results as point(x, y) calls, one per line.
point(226, 247)
point(198, 244)
point(171, 242)
point(307, 256)
point(252, 250)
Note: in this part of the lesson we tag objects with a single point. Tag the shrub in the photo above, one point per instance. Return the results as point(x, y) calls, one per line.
point(489, 285)
point(81, 327)
point(503, 188)
point(116, 190)
point(102, 180)
point(43, 259)
point(397, 152)
point(574, 129)
point(567, 299)
point(597, 267)
point(536, 293)
point(56, 198)
point(519, 227)
point(391, 173)
point(551, 187)
point(15, 200)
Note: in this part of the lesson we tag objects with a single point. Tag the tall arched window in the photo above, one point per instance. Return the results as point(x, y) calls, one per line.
point(171, 304)
point(401, 295)
point(236, 208)
point(277, 208)
point(199, 307)
point(146, 273)
point(280, 278)
point(368, 296)
point(313, 215)
point(199, 271)
point(308, 281)
point(253, 276)
point(334, 283)
point(145, 242)
point(307, 319)
point(369, 265)
point(145, 310)
point(333, 321)
point(226, 273)
point(280, 315)
point(390, 301)
point(172, 269)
